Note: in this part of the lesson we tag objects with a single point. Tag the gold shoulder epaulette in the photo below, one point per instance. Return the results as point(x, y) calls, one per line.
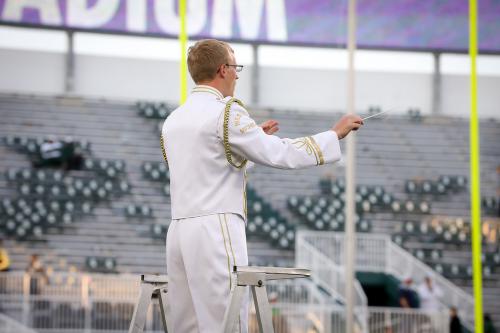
point(225, 137)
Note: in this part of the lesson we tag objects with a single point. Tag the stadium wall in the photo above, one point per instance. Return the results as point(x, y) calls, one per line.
point(292, 88)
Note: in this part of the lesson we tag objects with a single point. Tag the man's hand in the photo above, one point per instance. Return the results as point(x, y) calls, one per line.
point(270, 127)
point(348, 122)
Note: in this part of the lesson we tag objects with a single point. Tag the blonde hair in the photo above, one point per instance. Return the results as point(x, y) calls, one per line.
point(205, 57)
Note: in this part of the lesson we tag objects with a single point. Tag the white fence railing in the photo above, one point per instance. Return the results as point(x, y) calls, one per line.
point(395, 320)
point(104, 303)
point(377, 253)
point(94, 303)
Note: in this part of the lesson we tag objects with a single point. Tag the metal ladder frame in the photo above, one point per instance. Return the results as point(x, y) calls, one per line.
point(246, 276)
point(152, 286)
point(256, 278)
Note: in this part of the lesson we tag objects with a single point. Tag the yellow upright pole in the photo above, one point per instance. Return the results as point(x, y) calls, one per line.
point(183, 42)
point(474, 173)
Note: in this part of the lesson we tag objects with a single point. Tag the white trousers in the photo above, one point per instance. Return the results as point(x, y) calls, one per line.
point(201, 253)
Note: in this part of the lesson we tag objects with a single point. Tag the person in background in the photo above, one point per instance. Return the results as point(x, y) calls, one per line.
point(429, 295)
point(71, 155)
point(38, 274)
point(51, 153)
point(408, 297)
point(455, 324)
point(488, 324)
point(4, 258)
point(59, 154)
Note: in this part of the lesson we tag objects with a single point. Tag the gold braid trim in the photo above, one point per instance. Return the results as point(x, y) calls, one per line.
point(318, 150)
point(227, 252)
point(162, 145)
point(225, 137)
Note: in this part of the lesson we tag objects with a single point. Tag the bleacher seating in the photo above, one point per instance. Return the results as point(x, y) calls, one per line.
point(265, 221)
point(491, 206)
point(446, 230)
point(101, 264)
point(158, 172)
point(51, 198)
point(31, 145)
point(323, 213)
point(415, 114)
point(444, 185)
point(390, 151)
point(152, 110)
point(138, 211)
point(159, 231)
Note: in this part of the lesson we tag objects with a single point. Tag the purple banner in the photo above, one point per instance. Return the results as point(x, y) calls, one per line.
point(404, 24)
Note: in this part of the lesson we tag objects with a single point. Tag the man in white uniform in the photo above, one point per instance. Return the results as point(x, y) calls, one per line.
point(206, 143)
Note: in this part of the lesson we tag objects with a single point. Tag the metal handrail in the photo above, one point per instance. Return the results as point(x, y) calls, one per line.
point(378, 253)
point(331, 277)
point(9, 325)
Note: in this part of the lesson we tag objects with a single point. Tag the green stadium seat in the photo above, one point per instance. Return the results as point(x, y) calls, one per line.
point(363, 191)
point(378, 191)
point(325, 186)
point(124, 186)
point(424, 228)
point(138, 211)
point(364, 226)
point(409, 227)
point(427, 187)
point(101, 264)
point(387, 199)
point(166, 189)
point(424, 207)
point(395, 206)
point(420, 254)
point(445, 180)
point(336, 190)
point(251, 227)
point(439, 268)
point(336, 225)
point(319, 224)
point(440, 188)
point(374, 199)
point(293, 202)
point(158, 231)
point(435, 254)
point(411, 186)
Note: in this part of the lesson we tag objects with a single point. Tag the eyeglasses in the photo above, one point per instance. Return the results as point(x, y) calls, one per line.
point(238, 68)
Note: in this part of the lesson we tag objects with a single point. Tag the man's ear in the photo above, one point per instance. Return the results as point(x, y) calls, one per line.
point(222, 71)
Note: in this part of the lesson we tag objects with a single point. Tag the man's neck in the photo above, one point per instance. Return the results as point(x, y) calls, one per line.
point(215, 85)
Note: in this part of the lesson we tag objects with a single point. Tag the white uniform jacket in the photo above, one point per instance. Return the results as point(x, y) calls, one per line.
point(206, 146)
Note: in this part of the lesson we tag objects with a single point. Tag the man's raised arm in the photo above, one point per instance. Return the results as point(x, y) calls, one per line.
point(246, 139)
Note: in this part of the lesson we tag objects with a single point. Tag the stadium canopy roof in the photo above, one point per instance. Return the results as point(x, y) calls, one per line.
point(410, 25)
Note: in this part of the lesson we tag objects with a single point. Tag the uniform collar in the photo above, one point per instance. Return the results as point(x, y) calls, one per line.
point(208, 89)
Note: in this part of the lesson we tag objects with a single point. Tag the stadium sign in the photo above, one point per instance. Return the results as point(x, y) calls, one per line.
point(402, 24)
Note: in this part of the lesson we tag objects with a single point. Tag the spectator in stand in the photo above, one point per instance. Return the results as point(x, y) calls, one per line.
point(50, 153)
point(488, 324)
point(38, 274)
point(429, 295)
point(455, 324)
point(59, 153)
point(72, 155)
point(4, 258)
point(408, 297)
